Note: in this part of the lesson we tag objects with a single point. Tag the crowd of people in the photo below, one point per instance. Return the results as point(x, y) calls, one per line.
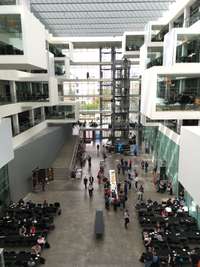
point(127, 181)
point(28, 224)
point(169, 233)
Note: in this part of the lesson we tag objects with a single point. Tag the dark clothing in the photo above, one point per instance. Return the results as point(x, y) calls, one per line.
point(89, 161)
point(85, 182)
point(91, 179)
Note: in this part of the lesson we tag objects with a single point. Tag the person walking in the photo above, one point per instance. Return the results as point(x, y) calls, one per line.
point(98, 147)
point(126, 218)
point(85, 180)
point(89, 161)
point(118, 168)
point(91, 179)
point(90, 190)
point(130, 164)
point(126, 189)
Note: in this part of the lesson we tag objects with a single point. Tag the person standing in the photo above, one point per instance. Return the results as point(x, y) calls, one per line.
point(85, 180)
point(146, 165)
point(126, 218)
point(34, 179)
point(148, 258)
point(155, 260)
point(140, 193)
point(136, 182)
point(43, 182)
point(142, 164)
point(90, 190)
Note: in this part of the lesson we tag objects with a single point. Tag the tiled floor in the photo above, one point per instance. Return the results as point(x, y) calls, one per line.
point(73, 242)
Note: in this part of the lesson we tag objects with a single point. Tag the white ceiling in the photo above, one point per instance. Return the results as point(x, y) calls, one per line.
point(97, 17)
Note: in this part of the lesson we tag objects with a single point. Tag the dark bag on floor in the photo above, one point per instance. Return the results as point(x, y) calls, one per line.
point(42, 260)
point(47, 245)
point(142, 258)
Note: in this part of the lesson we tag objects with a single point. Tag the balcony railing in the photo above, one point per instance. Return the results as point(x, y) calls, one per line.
point(60, 115)
point(33, 98)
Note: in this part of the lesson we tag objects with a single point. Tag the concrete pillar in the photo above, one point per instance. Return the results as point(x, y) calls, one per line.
point(43, 114)
point(67, 67)
point(170, 26)
point(71, 48)
point(31, 117)
point(178, 127)
point(15, 120)
point(13, 91)
point(186, 17)
point(25, 3)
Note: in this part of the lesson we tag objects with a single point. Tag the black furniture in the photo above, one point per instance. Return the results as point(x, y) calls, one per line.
point(99, 224)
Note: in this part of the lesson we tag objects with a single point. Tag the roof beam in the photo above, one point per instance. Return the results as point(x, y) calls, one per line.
point(94, 23)
point(100, 11)
point(102, 2)
point(91, 18)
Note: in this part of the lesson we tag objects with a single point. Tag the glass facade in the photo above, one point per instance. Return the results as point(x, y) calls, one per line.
point(134, 42)
point(178, 23)
point(178, 93)
point(5, 96)
point(188, 48)
point(24, 121)
point(193, 209)
point(56, 50)
point(166, 150)
point(8, 2)
point(163, 150)
point(59, 68)
point(158, 32)
point(35, 91)
point(154, 56)
point(37, 116)
point(60, 112)
point(4, 186)
point(194, 12)
point(11, 34)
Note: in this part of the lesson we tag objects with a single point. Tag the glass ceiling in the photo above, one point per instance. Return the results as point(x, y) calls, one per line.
point(97, 17)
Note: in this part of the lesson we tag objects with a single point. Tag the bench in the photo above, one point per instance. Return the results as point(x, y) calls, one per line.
point(99, 224)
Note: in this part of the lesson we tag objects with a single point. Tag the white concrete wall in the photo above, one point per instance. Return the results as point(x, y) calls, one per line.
point(25, 136)
point(53, 91)
point(189, 159)
point(35, 42)
point(33, 36)
point(6, 146)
